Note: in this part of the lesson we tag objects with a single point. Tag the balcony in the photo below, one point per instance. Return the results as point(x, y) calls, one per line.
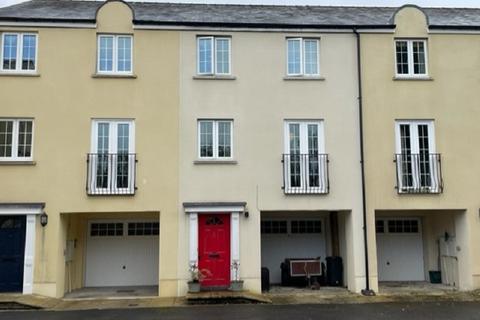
point(111, 173)
point(305, 173)
point(419, 173)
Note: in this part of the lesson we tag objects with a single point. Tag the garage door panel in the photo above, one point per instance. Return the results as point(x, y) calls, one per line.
point(122, 261)
point(400, 256)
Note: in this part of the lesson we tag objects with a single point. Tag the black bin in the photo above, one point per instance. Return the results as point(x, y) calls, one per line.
point(265, 279)
point(334, 271)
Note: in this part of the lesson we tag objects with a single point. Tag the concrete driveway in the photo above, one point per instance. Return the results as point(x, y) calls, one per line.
point(390, 311)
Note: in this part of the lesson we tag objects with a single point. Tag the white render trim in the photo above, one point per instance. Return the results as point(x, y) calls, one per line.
point(193, 239)
point(222, 209)
point(29, 257)
point(235, 246)
point(19, 209)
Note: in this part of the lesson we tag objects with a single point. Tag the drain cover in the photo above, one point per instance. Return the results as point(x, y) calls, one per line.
point(10, 305)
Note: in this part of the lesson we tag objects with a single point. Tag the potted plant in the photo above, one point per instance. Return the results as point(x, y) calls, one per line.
point(236, 284)
point(196, 276)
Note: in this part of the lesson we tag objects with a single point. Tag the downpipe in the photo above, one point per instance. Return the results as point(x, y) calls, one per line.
point(367, 291)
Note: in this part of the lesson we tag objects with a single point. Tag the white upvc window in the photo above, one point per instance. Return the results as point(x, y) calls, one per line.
point(213, 55)
point(112, 159)
point(303, 57)
point(16, 139)
point(215, 139)
point(19, 52)
point(114, 54)
point(418, 166)
point(305, 161)
point(411, 58)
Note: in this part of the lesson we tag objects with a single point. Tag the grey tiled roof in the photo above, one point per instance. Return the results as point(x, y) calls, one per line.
point(236, 15)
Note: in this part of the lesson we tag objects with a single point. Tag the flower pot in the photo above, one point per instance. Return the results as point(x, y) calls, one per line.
point(236, 285)
point(193, 286)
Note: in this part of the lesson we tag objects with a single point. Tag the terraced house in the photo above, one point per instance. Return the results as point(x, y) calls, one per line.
point(146, 145)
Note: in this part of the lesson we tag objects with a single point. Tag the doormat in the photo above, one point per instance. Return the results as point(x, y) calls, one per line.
point(11, 305)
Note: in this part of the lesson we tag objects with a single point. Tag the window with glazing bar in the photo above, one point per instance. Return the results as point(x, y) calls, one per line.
point(303, 57)
point(215, 139)
point(19, 52)
point(411, 58)
point(213, 55)
point(114, 54)
point(16, 139)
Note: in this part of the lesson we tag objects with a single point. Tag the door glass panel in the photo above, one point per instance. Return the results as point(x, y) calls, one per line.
point(122, 155)
point(424, 155)
point(103, 155)
point(313, 157)
point(295, 165)
point(406, 155)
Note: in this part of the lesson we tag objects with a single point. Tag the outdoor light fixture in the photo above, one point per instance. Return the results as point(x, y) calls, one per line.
point(247, 214)
point(44, 219)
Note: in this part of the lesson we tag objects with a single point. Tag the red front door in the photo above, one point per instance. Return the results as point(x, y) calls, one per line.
point(214, 250)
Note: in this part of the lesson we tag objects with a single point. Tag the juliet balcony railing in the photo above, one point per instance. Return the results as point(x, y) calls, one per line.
point(305, 173)
point(111, 173)
point(419, 173)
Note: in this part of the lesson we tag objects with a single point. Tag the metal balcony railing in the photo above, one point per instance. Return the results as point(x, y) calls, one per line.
point(419, 173)
point(305, 173)
point(111, 173)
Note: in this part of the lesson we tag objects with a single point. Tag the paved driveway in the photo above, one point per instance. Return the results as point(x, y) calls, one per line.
point(390, 311)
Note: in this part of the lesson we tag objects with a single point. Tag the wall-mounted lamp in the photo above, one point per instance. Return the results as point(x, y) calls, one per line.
point(247, 214)
point(44, 219)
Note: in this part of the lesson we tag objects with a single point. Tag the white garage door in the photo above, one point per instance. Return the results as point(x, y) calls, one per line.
point(400, 250)
point(122, 253)
point(290, 239)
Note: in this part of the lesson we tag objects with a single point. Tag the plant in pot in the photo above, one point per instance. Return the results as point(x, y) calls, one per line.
point(236, 284)
point(196, 275)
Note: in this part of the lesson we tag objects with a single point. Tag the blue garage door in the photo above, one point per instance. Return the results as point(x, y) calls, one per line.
point(12, 249)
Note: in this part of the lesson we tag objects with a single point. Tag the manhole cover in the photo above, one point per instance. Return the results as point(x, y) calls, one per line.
point(10, 305)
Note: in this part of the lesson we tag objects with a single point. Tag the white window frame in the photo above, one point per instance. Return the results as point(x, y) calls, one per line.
point(213, 61)
point(215, 139)
point(115, 54)
point(18, 67)
point(15, 128)
point(112, 149)
point(302, 57)
point(411, 73)
point(304, 150)
point(415, 149)
point(385, 221)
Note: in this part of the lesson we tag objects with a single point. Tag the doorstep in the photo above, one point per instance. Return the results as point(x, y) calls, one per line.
point(225, 297)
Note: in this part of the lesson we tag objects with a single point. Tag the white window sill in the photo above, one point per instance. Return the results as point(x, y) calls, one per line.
point(215, 161)
point(413, 78)
point(114, 75)
point(214, 77)
point(17, 163)
point(18, 74)
point(304, 78)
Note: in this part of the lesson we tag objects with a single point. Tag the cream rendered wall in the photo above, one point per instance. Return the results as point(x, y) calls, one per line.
point(258, 101)
point(63, 99)
point(450, 98)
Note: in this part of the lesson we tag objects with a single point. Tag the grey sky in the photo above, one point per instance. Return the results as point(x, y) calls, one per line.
point(425, 3)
